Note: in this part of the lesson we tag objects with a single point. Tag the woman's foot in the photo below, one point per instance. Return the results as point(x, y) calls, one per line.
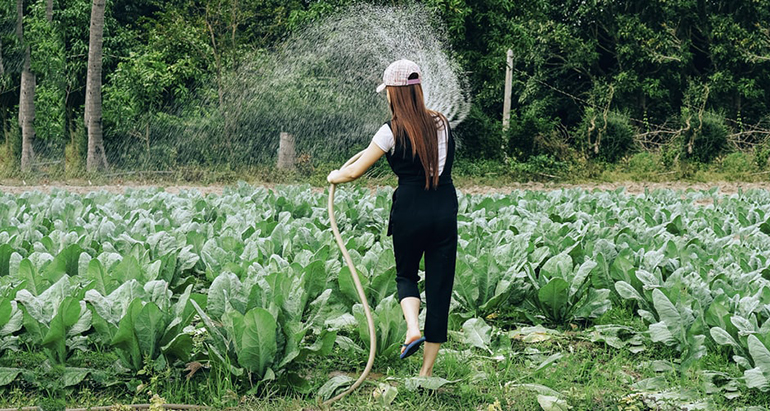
point(411, 308)
point(411, 336)
point(429, 354)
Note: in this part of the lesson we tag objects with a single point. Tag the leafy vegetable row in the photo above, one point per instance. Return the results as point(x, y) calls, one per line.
point(251, 283)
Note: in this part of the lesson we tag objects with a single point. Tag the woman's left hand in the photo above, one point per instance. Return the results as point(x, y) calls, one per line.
point(333, 177)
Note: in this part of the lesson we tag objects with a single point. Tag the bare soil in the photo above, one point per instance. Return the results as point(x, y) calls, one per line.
point(630, 187)
point(116, 189)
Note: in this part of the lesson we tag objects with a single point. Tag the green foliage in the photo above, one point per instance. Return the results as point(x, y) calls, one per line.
point(574, 58)
point(75, 152)
point(759, 376)
point(737, 164)
point(389, 325)
point(12, 52)
point(478, 136)
point(609, 136)
point(539, 167)
point(10, 148)
point(706, 137)
point(48, 60)
point(144, 283)
point(564, 294)
point(673, 153)
point(644, 163)
point(533, 133)
point(685, 75)
point(678, 326)
point(300, 16)
point(491, 275)
point(11, 321)
point(762, 156)
point(254, 339)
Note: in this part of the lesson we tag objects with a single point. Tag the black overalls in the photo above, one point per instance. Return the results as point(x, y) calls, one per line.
point(424, 222)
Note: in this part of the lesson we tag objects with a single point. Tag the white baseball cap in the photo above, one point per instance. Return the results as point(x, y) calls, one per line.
point(398, 72)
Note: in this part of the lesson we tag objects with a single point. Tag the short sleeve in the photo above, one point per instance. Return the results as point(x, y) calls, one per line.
point(384, 139)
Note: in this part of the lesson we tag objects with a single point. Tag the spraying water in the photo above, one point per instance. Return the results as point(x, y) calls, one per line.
point(320, 84)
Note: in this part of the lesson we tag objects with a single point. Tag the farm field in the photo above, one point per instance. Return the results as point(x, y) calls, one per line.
point(656, 299)
point(468, 187)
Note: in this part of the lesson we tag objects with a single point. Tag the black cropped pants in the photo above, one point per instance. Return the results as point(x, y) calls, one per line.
point(424, 222)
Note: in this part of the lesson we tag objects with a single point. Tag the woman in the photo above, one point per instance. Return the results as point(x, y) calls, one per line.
point(419, 147)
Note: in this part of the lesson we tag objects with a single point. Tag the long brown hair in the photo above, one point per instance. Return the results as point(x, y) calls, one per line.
point(413, 120)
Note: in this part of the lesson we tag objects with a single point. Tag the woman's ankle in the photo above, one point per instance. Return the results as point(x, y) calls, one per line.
point(413, 333)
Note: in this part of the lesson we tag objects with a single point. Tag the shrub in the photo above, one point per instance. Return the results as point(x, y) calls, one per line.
point(479, 167)
point(761, 156)
point(618, 138)
point(705, 139)
point(75, 152)
point(736, 163)
point(10, 149)
point(479, 136)
point(643, 163)
point(539, 166)
point(615, 136)
point(671, 152)
point(533, 133)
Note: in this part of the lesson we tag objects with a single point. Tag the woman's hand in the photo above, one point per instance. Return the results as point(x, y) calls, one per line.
point(334, 177)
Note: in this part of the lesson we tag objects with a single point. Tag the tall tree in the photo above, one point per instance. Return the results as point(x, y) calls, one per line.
point(26, 97)
point(96, 157)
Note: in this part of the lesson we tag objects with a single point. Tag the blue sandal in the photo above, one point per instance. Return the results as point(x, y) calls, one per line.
point(412, 347)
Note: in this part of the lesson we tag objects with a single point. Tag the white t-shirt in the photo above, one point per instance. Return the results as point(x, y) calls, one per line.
point(387, 142)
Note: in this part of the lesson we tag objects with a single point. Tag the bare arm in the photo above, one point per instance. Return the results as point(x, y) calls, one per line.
point(359, 167)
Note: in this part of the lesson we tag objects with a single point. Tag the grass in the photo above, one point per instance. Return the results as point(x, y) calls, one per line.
point(589, 376)
point(641, 167)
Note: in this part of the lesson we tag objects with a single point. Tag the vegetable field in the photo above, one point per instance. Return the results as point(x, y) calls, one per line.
point(246, 293)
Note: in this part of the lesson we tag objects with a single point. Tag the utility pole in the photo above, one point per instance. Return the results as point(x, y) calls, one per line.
point(507, 103)
point(286, 153)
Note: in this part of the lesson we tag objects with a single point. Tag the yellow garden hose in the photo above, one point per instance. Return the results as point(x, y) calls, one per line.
point(359, 287)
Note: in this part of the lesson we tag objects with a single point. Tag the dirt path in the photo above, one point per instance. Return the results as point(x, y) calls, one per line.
point(116, 189)
point(631, 187)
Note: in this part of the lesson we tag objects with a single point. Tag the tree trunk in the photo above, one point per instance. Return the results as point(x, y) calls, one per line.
point(26, 97)
point(19, 15)
point(49, 10)
point(96, 158)
point(27, 114)
point(2, 69)
point(220, 88)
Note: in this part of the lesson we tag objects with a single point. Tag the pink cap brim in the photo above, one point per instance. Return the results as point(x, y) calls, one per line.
point(381, 87)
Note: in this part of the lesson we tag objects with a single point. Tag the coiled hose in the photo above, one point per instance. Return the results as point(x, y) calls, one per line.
point(359, 287)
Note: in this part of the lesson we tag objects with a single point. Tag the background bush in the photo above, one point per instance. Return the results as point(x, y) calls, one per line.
point(706, 137)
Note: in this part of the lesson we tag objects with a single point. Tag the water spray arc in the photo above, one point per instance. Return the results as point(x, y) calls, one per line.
point(359, 288)
point(319, 86)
